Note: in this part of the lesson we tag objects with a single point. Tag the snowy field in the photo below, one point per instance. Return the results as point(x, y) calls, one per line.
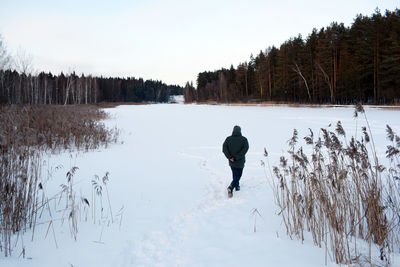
point(167, 187)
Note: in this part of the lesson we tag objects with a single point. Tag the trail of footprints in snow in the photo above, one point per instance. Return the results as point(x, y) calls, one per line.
point(162, 247)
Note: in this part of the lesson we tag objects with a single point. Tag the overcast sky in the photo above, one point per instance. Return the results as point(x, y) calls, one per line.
point(170, 41)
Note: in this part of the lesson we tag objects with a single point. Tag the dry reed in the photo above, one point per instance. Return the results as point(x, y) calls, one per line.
point(340, 193)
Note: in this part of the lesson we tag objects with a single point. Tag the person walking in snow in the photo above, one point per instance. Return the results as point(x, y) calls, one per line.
point(235, 148)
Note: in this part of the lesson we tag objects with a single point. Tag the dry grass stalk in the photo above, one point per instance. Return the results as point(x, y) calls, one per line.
point(255, 213)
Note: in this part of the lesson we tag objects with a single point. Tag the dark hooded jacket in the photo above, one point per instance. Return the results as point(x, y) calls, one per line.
point(236, 146)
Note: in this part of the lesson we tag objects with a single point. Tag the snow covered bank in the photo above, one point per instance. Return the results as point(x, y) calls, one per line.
point(170, 177)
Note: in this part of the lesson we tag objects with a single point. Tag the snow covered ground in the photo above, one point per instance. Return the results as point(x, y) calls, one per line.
point(168, 177)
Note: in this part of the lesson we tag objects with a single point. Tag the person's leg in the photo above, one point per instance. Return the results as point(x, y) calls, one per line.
point(233, 179)
point(236, 175)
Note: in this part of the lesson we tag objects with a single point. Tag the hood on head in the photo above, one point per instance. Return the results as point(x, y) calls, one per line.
point(236, 131)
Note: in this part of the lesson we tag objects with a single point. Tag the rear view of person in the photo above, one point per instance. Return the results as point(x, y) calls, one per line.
point(235, 148)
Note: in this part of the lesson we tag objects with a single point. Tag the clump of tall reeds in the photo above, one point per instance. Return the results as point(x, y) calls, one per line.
point(340, 193)
point(54, 127)
point(25, 133)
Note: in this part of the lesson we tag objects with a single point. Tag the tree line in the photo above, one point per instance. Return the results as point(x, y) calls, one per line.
point(46, 88)
point(336, 64)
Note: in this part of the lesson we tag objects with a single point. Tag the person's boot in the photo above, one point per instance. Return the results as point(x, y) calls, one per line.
point(238, 188)
point(230, 194)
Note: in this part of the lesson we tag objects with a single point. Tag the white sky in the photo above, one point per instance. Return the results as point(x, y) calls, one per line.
point(170, 41)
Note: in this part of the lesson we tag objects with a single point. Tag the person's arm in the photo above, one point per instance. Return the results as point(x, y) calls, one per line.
point(225, 150)
point(240, 155)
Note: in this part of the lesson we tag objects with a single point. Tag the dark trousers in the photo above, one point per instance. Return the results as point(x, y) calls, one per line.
point(236, 175)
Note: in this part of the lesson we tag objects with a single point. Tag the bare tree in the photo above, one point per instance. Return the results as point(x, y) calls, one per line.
point(95, 90)
point(5, 58)
point(45, 88)
point(86, 89)
point(327, 80)
point(5, 63)
point(23, 62)
point(68, 87)
point(298, 71)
